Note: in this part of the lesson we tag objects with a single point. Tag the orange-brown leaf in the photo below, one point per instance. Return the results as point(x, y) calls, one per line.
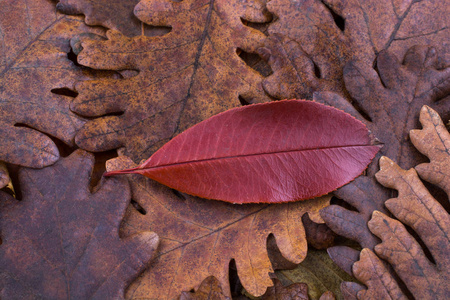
point(199, 237)
point(183, 77)
point(209, 289)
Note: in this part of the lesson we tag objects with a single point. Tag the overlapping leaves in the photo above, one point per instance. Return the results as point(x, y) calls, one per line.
point(416, 208)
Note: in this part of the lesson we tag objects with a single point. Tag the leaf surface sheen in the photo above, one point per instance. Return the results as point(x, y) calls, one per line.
point(267, 153)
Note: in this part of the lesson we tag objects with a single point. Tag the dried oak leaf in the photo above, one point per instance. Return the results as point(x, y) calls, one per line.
point(62, 242)
point(34, 81)
point(313, 40)
point(200, 237)
point(112, 14)
point(390, 100)
point(209, 289)
point(183, 77)
point(416, 208)
point(434, 142)
point(318, 272)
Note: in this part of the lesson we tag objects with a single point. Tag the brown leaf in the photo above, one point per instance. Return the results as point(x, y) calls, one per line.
point(199, 237)
point(433, 141)
point(416, 208)
point(183, 77)
point(373, 272)
point(62, 242)
point(390, 100)
point(297, 291)
point(20, 24)
point(320, 236)
point(4, 175)
point(34, 82)
point(312, 41)
point(318, 272)
point(209, 289)
point(112, 14)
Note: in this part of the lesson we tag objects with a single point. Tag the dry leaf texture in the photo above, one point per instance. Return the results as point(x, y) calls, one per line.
point(209, 289)
point(36, 65)
point(313, 40)
point(318, 272)
point(391, 99)
point(433, 141)
point(183, 77)
point(268, 153)
point(112, 14)
point(62, 242)
point(200, 237)
point(416, 208)
point(4, 176)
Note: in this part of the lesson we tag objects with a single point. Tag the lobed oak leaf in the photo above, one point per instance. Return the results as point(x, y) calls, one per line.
point(318, 272)
point(311, 41)
point(199, 237)
point(112, 14)
point(389, 100)
point(60, 241)
point(35, 77)
point(183, 77)
point(433, 141)
point(209, 289)
point(273, 152)
point(416, 208)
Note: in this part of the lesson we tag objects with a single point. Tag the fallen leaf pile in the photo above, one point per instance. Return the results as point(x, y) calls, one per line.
point(82, 81)
point(425, 277)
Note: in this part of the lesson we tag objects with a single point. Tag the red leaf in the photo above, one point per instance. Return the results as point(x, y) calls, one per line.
point(273, 152)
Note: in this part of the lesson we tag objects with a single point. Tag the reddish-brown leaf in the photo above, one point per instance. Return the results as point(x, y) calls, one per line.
point(311, 41)
point(200, 237)
point(36, 77)
point(267, 153)
point(183, 77)
point(62, 242)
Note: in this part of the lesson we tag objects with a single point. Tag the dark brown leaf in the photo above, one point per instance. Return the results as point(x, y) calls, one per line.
point(34, 67)
point(112, 14)
point(312, 40)
point(62, 242)
point(320, 236)
point(184, 77)
point(200, 237)
point(392, 101)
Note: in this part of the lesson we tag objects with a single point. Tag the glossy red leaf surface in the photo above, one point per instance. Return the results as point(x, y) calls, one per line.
point(273, 152)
